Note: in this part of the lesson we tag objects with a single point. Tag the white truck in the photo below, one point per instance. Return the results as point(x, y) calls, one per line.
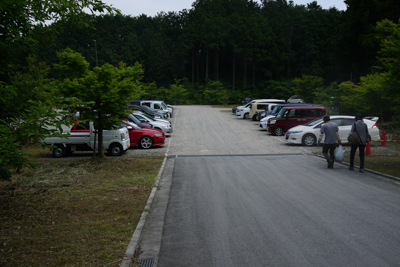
point(81, 138)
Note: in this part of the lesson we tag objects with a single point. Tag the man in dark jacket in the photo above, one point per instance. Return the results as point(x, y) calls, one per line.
point(362, 129)
point(331, 131)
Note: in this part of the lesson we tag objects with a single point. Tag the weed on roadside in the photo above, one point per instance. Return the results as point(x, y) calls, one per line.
point(73, 212)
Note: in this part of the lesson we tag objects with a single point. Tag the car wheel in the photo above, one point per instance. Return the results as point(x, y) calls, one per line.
point(278, 131)
point(59, 151)
point(246, 116)
point(309, 140)
point(115, 150)
point(146, 142)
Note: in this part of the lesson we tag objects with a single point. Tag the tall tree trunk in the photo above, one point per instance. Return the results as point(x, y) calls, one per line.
point(216, 66)
point(245, 74)
point(233, 71)
point(100, 130)
point(193, 69)
point(254, 75)
point(207, 66)
point(197, 68)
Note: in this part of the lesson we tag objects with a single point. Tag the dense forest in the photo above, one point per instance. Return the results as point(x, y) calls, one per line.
point(249, 48)
point(214, 53)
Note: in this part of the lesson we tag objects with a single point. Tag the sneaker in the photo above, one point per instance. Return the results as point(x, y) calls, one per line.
point(351, 168)
point(361, 170)
point(330, 164)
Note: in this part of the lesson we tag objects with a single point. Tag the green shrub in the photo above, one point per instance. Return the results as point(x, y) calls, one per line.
point(5, 173)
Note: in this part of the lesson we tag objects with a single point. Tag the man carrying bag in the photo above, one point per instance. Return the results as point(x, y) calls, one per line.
point(331, 131)
point(360, 129)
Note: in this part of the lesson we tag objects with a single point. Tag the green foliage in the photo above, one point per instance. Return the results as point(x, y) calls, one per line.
point(26, 100)
point(275, 89)
point(5, 173)
point(330, 96)
point(104, 91)
point(151, 91)
point(27, 113)
point(215, 93)
point(369, 96)
point(307, 86)
point(72, 64)
point(178, 94)
point(24, 25)
point(389, 34)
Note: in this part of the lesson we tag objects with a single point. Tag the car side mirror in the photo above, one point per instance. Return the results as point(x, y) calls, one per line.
point(130, 128)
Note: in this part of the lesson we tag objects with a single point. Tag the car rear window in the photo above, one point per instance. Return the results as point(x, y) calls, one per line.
point(348, 122)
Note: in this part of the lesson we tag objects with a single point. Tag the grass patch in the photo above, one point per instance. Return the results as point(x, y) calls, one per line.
point(384, 159)
point(74, 212)
point(224, 106)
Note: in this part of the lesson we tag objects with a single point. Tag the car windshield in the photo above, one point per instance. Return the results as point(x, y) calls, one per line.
point(276, 109)
point(132, 124)
point(133, 119)
point(163, 104)
point(314, 122)
point(148, 109)
point(281, 113)
point(146, 117)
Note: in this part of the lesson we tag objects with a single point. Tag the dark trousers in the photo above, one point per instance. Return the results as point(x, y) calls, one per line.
point(331, 149)
point(361, 149)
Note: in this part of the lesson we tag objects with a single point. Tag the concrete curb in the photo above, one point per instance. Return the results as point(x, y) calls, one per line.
point(130, 252)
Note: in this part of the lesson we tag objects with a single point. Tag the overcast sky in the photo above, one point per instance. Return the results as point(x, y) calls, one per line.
point(152, 7)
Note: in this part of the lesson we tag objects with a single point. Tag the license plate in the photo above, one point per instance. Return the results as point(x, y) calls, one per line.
point(267, 129)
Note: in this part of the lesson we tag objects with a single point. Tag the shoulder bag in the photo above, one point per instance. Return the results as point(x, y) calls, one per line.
point(354, 138)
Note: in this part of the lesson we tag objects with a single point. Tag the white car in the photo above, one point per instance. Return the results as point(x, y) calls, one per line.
point(308, 134)
point(243, 112)
point(264, 121)
point(294, 99)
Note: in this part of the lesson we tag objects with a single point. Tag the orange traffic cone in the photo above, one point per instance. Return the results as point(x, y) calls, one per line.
point(383, 137)
point(368, 150)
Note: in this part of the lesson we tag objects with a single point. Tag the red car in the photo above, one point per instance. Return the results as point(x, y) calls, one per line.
point(144, 137)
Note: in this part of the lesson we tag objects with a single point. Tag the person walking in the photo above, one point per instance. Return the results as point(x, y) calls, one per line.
point(331, 131)
point(362, 129)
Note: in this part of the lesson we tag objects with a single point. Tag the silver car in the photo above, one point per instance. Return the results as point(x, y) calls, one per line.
point(164, 126)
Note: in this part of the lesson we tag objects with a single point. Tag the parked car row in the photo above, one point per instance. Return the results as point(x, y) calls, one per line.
point(158, 106)
point(251, 109)
point(301, 123)
point(144, 127)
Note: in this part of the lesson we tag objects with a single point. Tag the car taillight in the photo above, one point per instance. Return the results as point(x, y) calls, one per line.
point(374, 126)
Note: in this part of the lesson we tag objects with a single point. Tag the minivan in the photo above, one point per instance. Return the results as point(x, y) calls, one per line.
point(264, 117)
point(243, 112)
point(256, 108)
point(289, 117)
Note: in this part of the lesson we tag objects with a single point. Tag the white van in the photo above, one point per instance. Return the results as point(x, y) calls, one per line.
point(243, 112)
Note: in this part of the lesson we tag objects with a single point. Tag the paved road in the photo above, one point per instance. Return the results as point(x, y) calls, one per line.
point(235, 196)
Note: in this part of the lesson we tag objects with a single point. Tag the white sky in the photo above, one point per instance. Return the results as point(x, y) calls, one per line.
point(152, 7)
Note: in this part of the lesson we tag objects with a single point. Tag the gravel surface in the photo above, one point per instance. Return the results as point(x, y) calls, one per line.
point(202, 130)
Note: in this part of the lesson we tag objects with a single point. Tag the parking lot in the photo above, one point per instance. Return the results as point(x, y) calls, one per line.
point(203, 130)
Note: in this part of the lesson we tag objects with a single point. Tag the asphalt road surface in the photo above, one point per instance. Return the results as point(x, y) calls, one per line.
point(233, 195)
